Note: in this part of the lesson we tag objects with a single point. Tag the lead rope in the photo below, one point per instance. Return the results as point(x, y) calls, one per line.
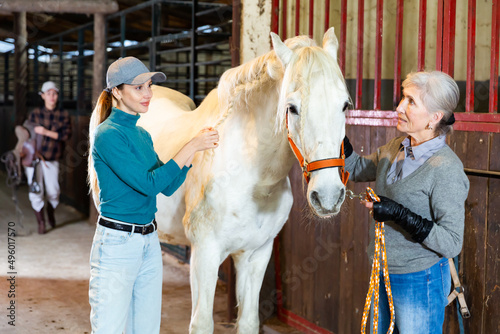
point(379, 256)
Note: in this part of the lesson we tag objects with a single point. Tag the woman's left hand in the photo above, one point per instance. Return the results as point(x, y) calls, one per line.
point(387, 209)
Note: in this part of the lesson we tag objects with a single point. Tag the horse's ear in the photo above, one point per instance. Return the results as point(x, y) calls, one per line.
point(282, 51)
point(330, 43)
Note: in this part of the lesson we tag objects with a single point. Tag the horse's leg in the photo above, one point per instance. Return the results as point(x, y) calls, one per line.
point(205, 261)
point(250, 269)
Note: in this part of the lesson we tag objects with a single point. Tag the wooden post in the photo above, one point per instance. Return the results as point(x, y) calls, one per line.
point(98, 78)
point(20, 66)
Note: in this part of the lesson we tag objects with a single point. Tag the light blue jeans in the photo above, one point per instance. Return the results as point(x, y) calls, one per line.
point(125, 287)
point(419, 300)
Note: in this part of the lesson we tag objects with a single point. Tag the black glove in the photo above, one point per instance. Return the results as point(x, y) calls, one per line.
point(418, 227)
point(347, 147)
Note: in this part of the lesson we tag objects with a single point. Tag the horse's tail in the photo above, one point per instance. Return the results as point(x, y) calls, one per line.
point(101, 111)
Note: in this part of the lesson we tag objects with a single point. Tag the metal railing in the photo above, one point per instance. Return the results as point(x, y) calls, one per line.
point(473, 118)
point(193, 55)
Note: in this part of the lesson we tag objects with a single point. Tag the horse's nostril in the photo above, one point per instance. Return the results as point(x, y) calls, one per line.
point(341, 197)
point(315, 198)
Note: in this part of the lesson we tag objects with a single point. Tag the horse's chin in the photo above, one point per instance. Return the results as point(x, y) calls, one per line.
point(325, 214)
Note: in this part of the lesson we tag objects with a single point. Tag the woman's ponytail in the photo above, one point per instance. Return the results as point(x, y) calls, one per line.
point(101, 111)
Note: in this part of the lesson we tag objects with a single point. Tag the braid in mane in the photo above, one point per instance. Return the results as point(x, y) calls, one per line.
point(236, 86)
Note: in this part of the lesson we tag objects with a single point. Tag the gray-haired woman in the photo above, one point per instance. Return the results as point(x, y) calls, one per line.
point(422, 187)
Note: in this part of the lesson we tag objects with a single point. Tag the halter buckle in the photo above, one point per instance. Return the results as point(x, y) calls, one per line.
point(306, 172)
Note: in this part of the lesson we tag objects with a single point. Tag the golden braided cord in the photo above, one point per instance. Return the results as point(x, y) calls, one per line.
point(379, 256)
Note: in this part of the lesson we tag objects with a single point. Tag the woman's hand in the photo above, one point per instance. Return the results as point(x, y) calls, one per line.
point(206, 139)
point(387, 209)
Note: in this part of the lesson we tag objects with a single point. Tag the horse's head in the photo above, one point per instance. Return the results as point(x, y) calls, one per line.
point(313, 101)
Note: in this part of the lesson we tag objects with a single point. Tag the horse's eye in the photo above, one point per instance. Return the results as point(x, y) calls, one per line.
point(346, 105)
point(292, 109)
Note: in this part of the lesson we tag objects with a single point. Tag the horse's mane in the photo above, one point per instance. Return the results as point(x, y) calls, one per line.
point(237, 84)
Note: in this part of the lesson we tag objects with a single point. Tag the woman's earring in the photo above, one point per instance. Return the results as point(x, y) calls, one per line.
point(428, 126)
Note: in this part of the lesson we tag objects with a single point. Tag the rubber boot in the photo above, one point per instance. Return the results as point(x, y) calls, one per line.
point(41, 221)
point(50, 215)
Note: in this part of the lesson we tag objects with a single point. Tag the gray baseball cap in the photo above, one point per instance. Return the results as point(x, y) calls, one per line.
point(130, 71)
point(48, 85)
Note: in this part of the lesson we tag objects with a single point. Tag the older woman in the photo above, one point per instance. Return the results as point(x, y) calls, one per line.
point(422, 187)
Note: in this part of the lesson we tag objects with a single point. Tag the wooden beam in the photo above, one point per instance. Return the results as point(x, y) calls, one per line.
point(98, 79)
point(61, 6)
point(20, 67)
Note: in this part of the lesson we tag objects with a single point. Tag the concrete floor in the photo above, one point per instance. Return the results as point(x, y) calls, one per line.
point(52, 273)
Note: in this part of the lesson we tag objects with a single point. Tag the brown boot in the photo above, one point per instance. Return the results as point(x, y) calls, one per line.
point(50, 215)
point(41, 221)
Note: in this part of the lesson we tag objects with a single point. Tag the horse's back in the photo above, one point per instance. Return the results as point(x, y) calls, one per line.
point(176, 98)
point(172, 121)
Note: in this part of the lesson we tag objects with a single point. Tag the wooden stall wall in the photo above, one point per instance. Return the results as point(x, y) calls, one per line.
point(324, 269)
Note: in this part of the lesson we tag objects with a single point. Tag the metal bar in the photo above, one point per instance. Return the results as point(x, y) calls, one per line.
point(422, 27)
point(359, 65)
point(177, 81)
point(123, 28)
point(213, 79)
point(202, 63)
point(343, 34)
point(80, 73)
point(495, 31)
point(104, 68)
point(36, 81)
point(275, 16)
point(471, 56)
point(214, 62)
point(378, 54)
point(198, 47)
point(284, 14)
point(213, 10)
point(6, 80)
point(211, 27)
point(449, 18)
point(154, 58)
point(311, 18)
point(61, 73)
point(439, 37)
point(193, 88)
point(171, 2)
point(327, 14)
point(297, 17)
point(398, 49)
point(44, 41)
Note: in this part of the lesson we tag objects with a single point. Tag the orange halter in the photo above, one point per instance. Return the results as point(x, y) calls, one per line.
point(308, 167)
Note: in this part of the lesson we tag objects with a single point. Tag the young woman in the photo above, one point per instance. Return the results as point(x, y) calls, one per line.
point(125, 287)
point(422, 188)
point(53, 127)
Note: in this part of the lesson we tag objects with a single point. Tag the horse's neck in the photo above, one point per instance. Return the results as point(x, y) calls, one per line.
point(269, 149)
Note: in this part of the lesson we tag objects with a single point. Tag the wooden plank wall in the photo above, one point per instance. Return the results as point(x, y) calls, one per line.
point(73, 165)
point(324, 266)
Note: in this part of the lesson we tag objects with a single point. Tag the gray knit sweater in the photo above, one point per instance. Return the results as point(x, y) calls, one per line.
point(437, 191)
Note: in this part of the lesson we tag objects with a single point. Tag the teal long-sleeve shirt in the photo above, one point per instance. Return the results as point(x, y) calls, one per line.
point(129, 172)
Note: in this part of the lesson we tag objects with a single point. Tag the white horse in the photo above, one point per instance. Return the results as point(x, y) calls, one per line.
point(237, 197)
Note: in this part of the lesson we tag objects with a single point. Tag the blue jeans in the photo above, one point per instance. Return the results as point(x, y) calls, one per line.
point(419, 300)
point(125, 288)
